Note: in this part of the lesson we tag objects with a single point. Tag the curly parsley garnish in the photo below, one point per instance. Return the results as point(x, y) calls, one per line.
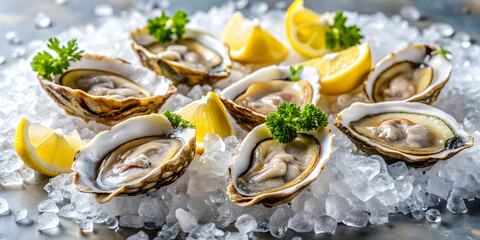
point(341, 35)
point(176, 120)
point(295, 73)
point(288, 119)
point(165, 29)
point(442, 51)
point(47, 66)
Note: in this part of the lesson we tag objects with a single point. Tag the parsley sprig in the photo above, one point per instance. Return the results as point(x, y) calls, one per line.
point(295, 73)
point(47, 66)
point(176, 120)
point(341, 35)
point(288, 119)
point(442, 51)
point(165, 29)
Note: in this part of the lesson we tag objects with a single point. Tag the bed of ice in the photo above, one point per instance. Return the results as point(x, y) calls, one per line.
point(353, 189)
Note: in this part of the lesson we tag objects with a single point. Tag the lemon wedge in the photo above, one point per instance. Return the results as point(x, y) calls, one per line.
point(248, 42)
point(306, 30)
point(343, 71)
point(44, 150)
point(209, 116)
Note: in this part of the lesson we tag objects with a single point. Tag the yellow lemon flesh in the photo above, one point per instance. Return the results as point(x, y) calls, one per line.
point(343, 71)
point(248, 42)
point(306, 30)
point(209, 116)
point(43, 150)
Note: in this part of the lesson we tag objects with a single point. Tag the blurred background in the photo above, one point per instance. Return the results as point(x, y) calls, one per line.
point(24, 20)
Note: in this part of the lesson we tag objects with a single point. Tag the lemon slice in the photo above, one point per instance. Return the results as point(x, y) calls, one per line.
point(248, 42)
point(43, 150)
point(306, 30)
point(342, 71)
point(209, 116)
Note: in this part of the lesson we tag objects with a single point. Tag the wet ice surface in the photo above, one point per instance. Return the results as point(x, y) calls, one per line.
point(353, 189)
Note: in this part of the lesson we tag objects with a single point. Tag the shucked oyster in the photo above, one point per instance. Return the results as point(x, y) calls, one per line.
point(415, 133)
point(268, 172)
point(136, 156)
point(412, 74)
point(107, 90)
point(254, 97)
point(196, 58)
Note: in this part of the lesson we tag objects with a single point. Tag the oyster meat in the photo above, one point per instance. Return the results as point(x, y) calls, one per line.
point(412, 74)
point(107, 90)
point(253, 98)
point(196, 58)
point(415, 133)
point(268, 172)
point(135, 156)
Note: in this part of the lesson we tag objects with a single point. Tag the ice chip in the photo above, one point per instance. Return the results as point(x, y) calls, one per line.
point(241, 4)
point(433, 215)
point(325, 224)
point(141, 235)
point(301, 222)
point(42, 20)
point(279, 222)
point(397, 170)
point(103, 10)
point(258, 8)
point(196, 92)
point(246, 223)
point(356, 219)
point(47, 220)
point(444, 29)
point(410, 13)
point(213, 142)
point(21, 217)
point(112, 223)
point(12, 37)
point(153, 210)
point(48, 206)
point(131, 221)
point(186, 221)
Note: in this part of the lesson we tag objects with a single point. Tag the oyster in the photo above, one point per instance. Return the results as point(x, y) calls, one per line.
point(197, 58)
point(418, 134)
point(267, 172)
point(412, 74)
point(107, 90)
point(253, 98)
point(136, 156)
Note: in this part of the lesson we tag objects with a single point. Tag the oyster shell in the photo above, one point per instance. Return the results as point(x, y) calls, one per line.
point(412, 74)
point(418, 134)
point(253, 98)
point(107, 90)
point(267, 172)
point(136, 156)
point(197, 58)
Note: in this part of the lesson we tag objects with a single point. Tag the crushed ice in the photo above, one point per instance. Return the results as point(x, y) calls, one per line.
point(353, 189)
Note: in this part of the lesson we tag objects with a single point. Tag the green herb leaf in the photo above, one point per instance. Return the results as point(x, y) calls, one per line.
point(47, 66)
point(288, 119)
point(295, 73)
point(176, 120)
point(164, 28)
point(442, 52)
point(341, 35)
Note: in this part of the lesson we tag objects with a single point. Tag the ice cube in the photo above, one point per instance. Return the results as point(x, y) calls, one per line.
point(112, 223)
point(262, 227)
point(196, 92)
point(336, 207)
point(444, 29)
point(47, 220)
point(12, 180)
point(169, 232)
point(186, 221)
point(397, 170)
point(12, 37)
point(246, 223)
point(141, 235)
point(325, 224)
